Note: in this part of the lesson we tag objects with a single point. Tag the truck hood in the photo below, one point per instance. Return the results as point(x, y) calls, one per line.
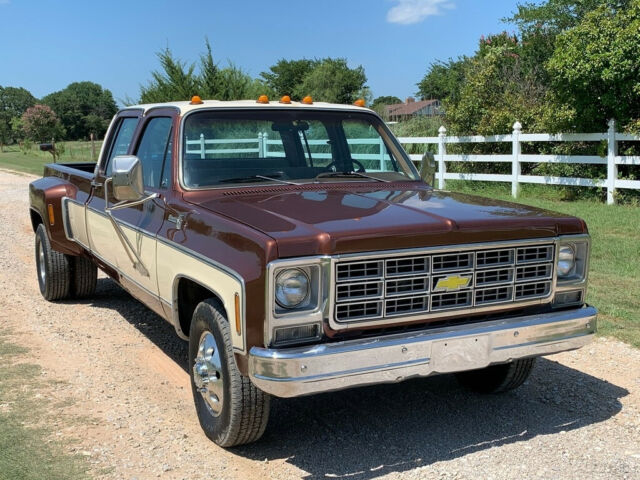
point(355, 217)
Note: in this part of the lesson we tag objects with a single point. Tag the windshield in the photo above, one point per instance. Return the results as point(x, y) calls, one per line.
point(289, 146)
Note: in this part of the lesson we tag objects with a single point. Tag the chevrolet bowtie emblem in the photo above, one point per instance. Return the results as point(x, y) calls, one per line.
point(452, 282)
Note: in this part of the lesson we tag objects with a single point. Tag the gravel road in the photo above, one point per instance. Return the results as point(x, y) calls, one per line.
point(122, 374)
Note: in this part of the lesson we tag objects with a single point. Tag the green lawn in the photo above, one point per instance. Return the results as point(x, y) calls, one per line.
point(28, 448)
point(13, 158)
point(614, 277)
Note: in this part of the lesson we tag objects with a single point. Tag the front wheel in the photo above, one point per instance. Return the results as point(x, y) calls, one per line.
point(232, 411)
point(497, 378)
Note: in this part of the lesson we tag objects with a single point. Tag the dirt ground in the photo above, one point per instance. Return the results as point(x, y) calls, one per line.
point(122, 372)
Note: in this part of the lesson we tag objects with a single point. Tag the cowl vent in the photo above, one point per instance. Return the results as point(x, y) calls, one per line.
point(348, 186)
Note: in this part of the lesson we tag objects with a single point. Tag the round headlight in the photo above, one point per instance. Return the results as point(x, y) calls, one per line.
point(566, 261)
point(292, 287)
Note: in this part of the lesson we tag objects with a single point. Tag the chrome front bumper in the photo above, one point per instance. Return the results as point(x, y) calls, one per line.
point(291, 372)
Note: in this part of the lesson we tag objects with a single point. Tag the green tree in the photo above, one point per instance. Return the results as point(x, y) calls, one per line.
point(286, 75)
point(443, 79)
point(595, 68)
point(41, 124)
point(179, 80)
point(13, 103)
point(78, 105)
point(333, 81)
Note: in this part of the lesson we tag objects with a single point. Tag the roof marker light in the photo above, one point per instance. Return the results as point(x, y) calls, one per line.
point(359, 102)
point(285, 99)
point(262, 99)
point(196, 100)
point(307, 100)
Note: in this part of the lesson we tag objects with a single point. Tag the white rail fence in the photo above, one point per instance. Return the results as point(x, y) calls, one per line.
point(262, 146)
point(516, 158)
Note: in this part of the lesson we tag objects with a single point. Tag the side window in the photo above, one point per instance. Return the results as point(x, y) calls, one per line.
point(122, 140)
point(152, 150)
point(166, 169)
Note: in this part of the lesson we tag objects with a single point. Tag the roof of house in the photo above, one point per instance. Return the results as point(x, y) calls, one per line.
point(409, 107)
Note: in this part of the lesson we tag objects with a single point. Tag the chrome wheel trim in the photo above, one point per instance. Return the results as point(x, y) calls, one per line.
point(42, 273)
point(207, 373)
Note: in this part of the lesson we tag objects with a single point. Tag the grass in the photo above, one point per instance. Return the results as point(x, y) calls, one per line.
point(27, 448)
point(33, 161)
point(614, 276)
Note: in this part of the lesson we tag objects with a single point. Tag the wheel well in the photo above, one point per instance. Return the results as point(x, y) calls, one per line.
point(36, 219)
point(190, 294)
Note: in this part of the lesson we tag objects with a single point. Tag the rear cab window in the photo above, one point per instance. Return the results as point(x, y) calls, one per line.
point(121, 140)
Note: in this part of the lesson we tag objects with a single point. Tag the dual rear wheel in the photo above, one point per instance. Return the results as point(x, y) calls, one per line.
point(62, 276)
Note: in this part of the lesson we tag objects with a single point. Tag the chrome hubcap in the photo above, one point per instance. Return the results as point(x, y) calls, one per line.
point(207, 373)
point(41, 264)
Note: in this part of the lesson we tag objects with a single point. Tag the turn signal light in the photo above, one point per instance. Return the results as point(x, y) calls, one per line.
point(263, 99)
point(359, 102)
point(236, 300)
point(52, 218)
point(196, 100)
point(285, 99)
point(307, 100)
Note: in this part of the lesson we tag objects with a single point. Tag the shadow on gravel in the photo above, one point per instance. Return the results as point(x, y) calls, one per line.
point(110, 295)
point(368, 432)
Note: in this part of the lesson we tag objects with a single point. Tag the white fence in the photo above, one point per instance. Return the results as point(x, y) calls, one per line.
point(263, 146)
point(516, 158)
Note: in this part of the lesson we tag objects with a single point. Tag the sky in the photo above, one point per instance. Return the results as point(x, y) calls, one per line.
point(45, 44)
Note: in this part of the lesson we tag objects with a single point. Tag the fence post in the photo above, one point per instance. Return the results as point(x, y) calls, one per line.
point(442, 151)
point(515, 160)
point(202, 147)
point(612, 168)
point(265, 144)
point(260, 145)
point(381, 146)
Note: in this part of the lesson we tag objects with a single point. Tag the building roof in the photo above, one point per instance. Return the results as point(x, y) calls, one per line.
point(409, 107)
point(185, 107)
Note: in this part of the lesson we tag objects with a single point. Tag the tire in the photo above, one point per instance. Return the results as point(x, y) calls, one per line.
point(243, 412)
point(84, 277)
point(54, 271)
point(497, 378)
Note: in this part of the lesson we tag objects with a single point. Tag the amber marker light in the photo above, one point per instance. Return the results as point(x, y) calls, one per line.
point(236, 299)
point(359, 102)
point(285, 99)
point(307, 100)
point(196, 100)
point(52, 218)
point(263, 99)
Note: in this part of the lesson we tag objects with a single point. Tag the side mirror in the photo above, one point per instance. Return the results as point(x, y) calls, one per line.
point(428, 168)
point(126, 178)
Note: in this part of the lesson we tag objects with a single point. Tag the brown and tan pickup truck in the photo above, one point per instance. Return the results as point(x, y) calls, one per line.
point(297, 250)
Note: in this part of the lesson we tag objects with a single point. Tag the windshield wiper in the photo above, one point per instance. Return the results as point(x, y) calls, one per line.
point(349, 174)
point(256, 178)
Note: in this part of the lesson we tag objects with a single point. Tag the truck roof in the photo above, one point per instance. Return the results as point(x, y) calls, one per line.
point(185, 106)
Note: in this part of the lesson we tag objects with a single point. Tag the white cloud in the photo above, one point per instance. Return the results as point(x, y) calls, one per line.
point(414, 11)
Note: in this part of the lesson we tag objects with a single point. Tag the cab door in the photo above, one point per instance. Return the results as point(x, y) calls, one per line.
point(102, 237)
point(141, 223)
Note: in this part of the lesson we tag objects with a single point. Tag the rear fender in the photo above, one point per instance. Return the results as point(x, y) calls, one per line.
point(46, 193)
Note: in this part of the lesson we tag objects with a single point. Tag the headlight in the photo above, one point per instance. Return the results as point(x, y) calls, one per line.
point(566, 261)
point(292, 288)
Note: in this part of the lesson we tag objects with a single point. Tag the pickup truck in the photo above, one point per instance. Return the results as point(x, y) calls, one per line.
point(297, 249)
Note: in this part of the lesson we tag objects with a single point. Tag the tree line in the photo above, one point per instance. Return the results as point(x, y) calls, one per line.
point(571, 65)
point(84, 109)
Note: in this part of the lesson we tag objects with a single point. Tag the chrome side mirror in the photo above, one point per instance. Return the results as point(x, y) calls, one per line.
point(126, 178)
point(428, 168)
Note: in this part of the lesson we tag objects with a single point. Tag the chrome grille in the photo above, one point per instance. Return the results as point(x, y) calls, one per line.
point(406, 285)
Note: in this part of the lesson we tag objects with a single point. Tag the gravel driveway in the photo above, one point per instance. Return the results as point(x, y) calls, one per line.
point(122, 375)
